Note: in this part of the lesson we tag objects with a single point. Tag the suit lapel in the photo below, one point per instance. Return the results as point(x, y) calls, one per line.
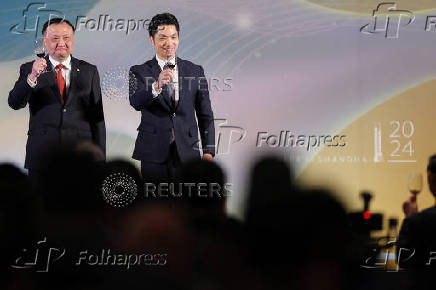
point(155, 70)
point(74, 75)
point(181, 83)
point(48, 79)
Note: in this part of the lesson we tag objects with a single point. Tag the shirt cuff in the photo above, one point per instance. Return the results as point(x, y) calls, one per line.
point(154, 92)
point(30, 83)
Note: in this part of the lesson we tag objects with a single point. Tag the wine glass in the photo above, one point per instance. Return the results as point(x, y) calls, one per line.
point(415, 184)
point(40, 51)
point(170, 66)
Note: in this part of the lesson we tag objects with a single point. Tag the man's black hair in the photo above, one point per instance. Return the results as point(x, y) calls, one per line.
point(56, 21)
point(162, 19)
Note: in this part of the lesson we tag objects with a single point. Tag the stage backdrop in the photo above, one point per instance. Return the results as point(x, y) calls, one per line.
point(343, 90)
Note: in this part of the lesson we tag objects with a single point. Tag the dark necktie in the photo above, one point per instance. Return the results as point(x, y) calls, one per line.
point(171, 97)
point(60, 79)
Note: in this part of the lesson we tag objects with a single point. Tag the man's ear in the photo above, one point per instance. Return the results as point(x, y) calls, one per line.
point(151, 40)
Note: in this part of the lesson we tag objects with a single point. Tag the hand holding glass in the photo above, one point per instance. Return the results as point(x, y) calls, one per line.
point(41, 52)
point(415, 184)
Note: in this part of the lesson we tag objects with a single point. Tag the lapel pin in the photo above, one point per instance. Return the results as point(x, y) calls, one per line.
point(78, 69)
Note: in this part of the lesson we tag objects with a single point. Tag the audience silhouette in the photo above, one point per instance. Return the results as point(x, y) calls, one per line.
point(181, 237)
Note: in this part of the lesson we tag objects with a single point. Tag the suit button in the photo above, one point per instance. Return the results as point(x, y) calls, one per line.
point(64, 110)
point(174, 115)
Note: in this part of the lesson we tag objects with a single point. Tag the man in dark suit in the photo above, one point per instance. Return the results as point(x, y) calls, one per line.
point(65, 101)
point(416, 245)
point(171, 94)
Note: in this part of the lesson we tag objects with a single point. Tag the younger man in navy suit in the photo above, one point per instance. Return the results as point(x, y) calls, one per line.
point(172, 94)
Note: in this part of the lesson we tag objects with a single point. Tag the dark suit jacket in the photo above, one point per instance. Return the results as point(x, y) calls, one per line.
point(158, 119)
point(55, 123)
point(417, 242)
point(418, 237)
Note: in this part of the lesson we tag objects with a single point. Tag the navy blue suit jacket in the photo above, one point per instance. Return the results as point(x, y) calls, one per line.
point(55, 123)
point(158, 119)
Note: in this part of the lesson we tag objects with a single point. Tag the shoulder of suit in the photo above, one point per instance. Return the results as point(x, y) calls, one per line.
point(187, 63)
point(144, 66)
point(424, 217)
point(151, 62)
point(82, 63)
point(429, 213)
point(191, 68)
point(26, 68)
point(28, 64)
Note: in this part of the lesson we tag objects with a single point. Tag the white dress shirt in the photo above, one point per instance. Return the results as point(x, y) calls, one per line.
point(66, 72)
point(162, 63)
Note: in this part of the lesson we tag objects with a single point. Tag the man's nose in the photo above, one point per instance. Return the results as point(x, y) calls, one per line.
point(61, 42)
point(168, 43)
